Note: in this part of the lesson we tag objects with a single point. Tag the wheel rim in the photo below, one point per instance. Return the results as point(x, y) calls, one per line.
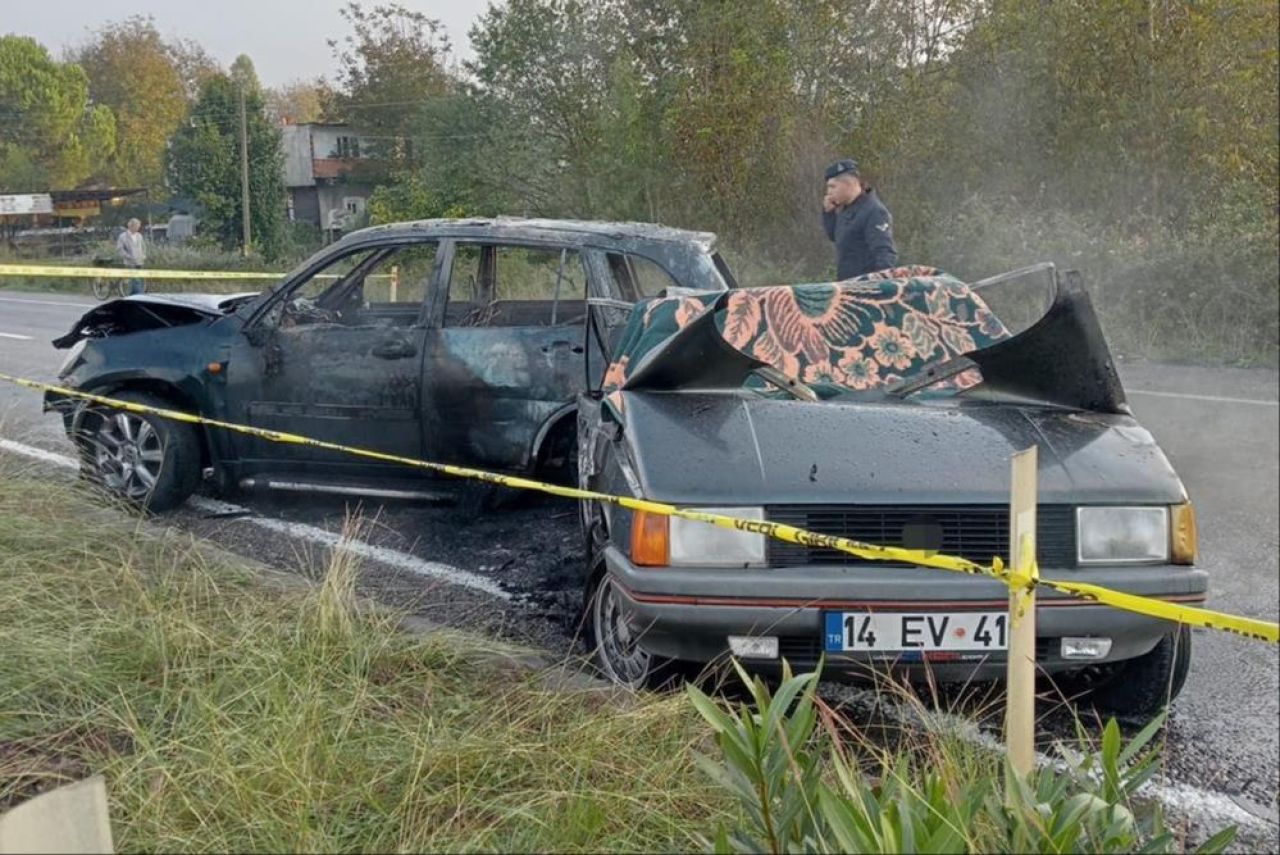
point(620, 654)
point(127, 455)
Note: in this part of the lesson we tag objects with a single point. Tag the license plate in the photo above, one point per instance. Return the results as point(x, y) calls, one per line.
point(878, 632)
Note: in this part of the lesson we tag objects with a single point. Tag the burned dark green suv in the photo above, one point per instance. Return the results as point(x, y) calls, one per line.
point(454, 340)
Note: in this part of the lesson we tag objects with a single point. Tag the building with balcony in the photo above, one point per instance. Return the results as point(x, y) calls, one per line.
point(321, 175)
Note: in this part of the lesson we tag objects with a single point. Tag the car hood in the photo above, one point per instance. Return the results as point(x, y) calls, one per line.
point(213, 305)
point(730, 449)
point(141, 312)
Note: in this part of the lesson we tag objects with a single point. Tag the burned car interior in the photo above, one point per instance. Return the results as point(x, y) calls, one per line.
point(513, 286)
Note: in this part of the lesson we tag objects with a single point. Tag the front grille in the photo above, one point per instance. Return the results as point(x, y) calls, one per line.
point(976, 532)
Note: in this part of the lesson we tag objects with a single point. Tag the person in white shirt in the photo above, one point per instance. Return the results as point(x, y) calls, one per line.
point(133, 252)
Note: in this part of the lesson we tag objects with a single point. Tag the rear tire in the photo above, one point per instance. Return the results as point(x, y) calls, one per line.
point(1138, 689)
point(143, 460)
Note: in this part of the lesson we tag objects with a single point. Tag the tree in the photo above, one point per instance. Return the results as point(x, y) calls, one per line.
point(133, 71)
point(578, 113)
point(299, 101)
point(244, 75)
point(730, 117)
point(393, 61)
point(50, 133)
point(204, 164)
point(194, 65)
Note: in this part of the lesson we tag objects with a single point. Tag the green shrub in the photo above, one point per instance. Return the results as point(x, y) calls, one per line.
point(799, 789)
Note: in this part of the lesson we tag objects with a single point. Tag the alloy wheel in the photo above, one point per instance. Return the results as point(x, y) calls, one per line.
point(127, 455)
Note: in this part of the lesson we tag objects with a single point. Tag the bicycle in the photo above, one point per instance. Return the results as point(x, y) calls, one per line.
point(102, 287)
point(104, 284)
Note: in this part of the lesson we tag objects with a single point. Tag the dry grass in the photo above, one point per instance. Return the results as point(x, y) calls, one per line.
point(228, 715)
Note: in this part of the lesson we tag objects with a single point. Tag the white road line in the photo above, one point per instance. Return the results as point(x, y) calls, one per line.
point(381, 554)
point(47, 302)
point(30, 451)
point(1217, 399)
point(15, 336)
point(391, 557)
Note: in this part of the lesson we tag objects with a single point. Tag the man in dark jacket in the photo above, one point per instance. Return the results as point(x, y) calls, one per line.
point(857, 222)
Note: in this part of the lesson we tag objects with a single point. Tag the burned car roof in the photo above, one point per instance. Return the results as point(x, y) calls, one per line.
point(577, 231)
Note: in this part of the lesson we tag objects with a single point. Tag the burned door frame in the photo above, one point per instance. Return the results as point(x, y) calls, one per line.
point(473, 411)
point(338, 394)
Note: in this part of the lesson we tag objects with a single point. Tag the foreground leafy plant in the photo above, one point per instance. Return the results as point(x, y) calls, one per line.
point(801, 790)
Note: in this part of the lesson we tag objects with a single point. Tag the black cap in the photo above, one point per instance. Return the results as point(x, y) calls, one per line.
point(848, 166)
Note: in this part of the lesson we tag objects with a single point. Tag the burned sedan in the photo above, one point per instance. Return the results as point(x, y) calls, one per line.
point(883, 409)
point(454, 340)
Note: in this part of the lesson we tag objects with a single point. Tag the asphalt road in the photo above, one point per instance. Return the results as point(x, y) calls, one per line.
point(1219, 426)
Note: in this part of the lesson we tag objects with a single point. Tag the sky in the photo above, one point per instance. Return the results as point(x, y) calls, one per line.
point(286, 39)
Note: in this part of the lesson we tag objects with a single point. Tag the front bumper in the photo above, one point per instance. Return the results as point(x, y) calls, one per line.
point(688, 614)
point(68, 409)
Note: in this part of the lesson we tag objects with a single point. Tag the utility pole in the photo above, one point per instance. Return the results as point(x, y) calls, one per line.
point(244, 172)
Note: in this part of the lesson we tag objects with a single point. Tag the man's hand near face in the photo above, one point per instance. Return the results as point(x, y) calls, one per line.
point(828, 203)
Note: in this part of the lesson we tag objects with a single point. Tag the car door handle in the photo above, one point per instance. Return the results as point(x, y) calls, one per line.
point(562, 345)
point(394, 350)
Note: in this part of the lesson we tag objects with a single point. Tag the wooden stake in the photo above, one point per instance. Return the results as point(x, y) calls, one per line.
point(1020, 706)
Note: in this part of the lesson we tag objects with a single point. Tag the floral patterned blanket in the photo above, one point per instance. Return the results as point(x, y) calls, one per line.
point(860, 334)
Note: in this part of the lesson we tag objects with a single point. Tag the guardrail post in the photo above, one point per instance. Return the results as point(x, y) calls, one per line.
point(1020, 703)
point(395, 282)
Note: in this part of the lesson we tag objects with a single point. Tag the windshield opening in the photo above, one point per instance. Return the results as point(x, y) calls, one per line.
point(865, 335)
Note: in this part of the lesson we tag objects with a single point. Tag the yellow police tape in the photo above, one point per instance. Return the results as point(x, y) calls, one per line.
point(1189, 615)
point(126, 272)
point(52, 272)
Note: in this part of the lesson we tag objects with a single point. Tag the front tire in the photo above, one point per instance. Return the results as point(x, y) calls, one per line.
point(1139, 688)
point(143, 460)
point(614, 644)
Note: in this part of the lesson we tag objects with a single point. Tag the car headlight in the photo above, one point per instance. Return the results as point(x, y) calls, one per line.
point(73, 355)
point(658, 541)
point(1137, 535)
